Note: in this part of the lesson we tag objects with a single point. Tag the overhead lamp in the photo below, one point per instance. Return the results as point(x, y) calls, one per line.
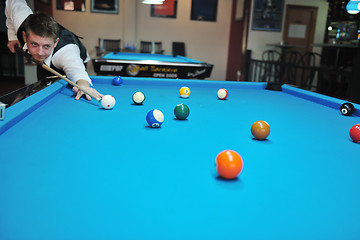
point(353, 7)
point(153, 1)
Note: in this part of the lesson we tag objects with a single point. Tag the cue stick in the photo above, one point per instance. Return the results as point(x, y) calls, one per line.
point(43, 65)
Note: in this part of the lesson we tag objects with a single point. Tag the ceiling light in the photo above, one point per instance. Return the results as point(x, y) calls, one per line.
point(153, 1)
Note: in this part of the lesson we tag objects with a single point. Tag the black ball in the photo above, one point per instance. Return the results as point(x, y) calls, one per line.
point(347, 109)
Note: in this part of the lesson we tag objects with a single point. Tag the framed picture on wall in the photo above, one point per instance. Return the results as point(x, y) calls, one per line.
point(204, 10)
point(69, 5)
point(267, 15)
point(46, 2)
point(167, 9)
point(105, 6)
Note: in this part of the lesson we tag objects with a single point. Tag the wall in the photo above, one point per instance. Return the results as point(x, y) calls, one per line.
point(257, 40)
point(90, 25)
point(205, 41)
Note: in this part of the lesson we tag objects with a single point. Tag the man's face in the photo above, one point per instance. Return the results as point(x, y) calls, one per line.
point(39, 47)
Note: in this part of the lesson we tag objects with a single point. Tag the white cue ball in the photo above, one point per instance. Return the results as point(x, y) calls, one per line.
point(138, 98)
point(108, 101)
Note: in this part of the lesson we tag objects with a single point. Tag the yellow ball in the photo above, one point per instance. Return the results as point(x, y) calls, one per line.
point(184, 92)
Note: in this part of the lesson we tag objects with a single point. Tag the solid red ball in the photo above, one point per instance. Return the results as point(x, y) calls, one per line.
point(355, 133)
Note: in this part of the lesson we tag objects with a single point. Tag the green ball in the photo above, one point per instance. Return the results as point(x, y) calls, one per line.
point(181, 111)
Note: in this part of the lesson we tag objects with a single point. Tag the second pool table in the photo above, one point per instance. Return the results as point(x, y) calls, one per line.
point(151, 65)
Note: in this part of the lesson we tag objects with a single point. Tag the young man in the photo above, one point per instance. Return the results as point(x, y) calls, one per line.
point(50, 43)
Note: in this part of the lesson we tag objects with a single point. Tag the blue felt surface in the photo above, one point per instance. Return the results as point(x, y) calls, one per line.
point(72, 170)
point(148, 56)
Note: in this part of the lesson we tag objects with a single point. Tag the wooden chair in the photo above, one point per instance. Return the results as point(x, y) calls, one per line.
point(271, 66)
point(151, 47)
point(291, 61)
point(108, 45)
point(178, 48)
point(310, 63)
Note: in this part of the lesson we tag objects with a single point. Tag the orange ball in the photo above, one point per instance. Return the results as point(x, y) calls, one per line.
point(229, 164)
point(260, 130)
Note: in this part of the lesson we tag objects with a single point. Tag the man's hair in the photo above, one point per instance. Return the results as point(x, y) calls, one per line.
point(42, 25)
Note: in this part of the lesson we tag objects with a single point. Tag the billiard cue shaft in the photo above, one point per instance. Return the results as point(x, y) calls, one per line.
point(43, 65)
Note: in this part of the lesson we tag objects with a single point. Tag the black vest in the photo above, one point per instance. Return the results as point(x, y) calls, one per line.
point(66, 37)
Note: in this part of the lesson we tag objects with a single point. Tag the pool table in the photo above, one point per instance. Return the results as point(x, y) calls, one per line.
point(73, 170)
point(151, 65)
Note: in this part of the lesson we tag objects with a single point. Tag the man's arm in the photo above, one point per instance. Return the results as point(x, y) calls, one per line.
point(86, 86)
point(16, 11)
point(68, 59)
